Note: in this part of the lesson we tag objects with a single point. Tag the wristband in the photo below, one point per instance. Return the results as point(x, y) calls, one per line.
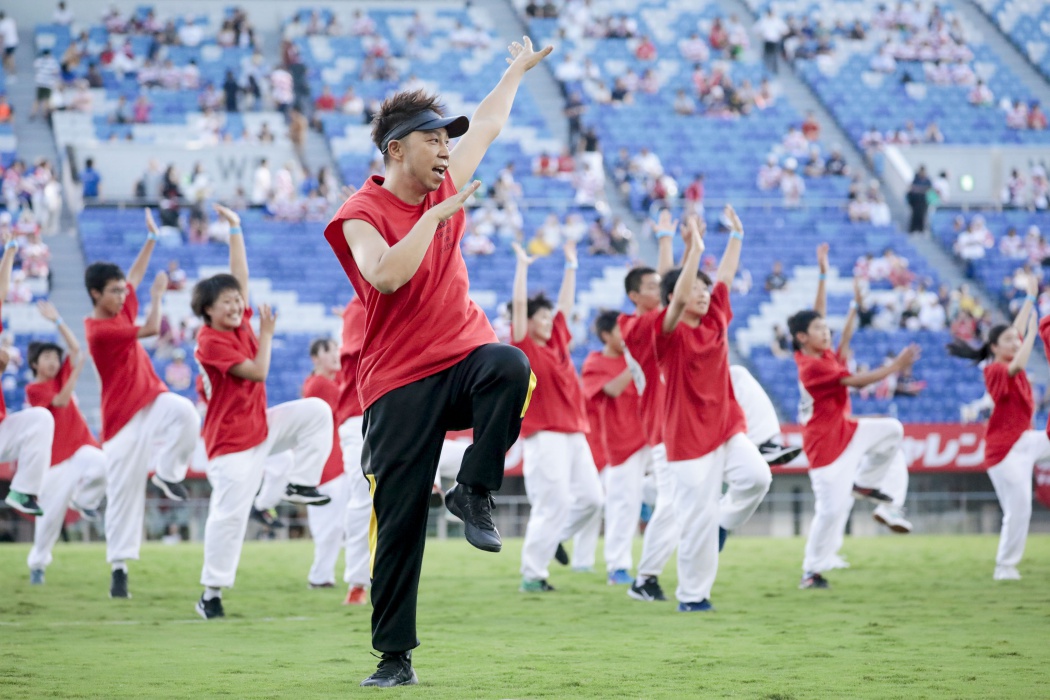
point(739, 235)
point(235, 231)
point(151, 236)
point(10, 244)
point(663, 233)
point(571, 265)
point(823, 276)
point(1031, 298)
point(853, 305)
point(59, 322)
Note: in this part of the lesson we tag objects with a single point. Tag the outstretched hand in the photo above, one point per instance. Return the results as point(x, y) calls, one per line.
point(822, 257)
point(693, 233)
point(523, 257)
point(267, 319)
point(525, 55)
point(229, 215)
point(47, 310)
point(151, 225)
point(735, 225)
point(908, 356)
point(448, 208)
point(570, 252)
point(665, 224)
point(160, 285)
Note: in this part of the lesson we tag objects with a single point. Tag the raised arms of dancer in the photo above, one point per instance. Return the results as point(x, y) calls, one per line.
point(850, 326)
point(683, 287)
point(76, 359)
point(731, 257)
point(665, 229)
point(1031, 333)
point(238, 251)
point(491, 115)
point(7, 263)
point(1032, 290)
point(519, 303)
point(821, 304)
point(141, 265)
point(567, 293)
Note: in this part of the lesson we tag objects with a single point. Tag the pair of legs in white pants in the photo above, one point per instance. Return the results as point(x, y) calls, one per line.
point(872, 459)
point(702, 508)
point(304, 427)
point(161, 437)
point(623, 503)
point(564, 493)
point(762, 422)
point(26, 437)
point(1012, 480)
point(80, 479)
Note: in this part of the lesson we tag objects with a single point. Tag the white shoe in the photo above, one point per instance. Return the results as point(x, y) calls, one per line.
point(892, 517)
point(836, 562)
point(1007, 573)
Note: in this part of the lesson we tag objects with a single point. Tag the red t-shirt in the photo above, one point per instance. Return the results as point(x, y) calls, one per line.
point(557, 401)
point(236, 416)
point(349, 404)
point(620, 428)
point(824, 410)
point(1044, 333)
point(129, 382)
point(1013, 411)
point(3, 406)
point(325, 388)
point(71, 430)
point(702, 412)
point(430, 323)
point(639, 335)
point(595, 434)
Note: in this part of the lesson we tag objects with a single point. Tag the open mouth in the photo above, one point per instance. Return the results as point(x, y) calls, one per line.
point(440, 171)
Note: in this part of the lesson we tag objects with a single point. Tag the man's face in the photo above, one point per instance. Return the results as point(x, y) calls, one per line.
point(111, 300)
point(425, 154)
point(647, 297)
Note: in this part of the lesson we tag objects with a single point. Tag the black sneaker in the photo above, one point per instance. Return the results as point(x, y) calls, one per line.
point(648, 591)
point(475, 510)
point(814, 580)
point(172, 489)
point(394, 669)
point(775, 454)
point(561, 556)
point(266, 517)
point(23, 503)
point(307, 495)
point(437, 497)
point(118, 584)
point(874, 495)
point(209, 609)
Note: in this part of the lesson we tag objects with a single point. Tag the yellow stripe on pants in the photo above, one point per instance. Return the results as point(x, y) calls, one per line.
point(373, 526)
point(528, 396)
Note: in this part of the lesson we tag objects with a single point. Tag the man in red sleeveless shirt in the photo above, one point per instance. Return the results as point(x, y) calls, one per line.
point(431, 362)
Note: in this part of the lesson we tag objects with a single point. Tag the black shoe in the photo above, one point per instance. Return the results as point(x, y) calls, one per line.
point(648, 591)
point(266, 517)
point(814, 580)
point(172, 489)
point(475, 510)
point(561, 556)
point(118, 584)
point(307, 495)
point(775, 454)
point(209, 609)
point(437, 497)
point(394, 669)
point(874, 495)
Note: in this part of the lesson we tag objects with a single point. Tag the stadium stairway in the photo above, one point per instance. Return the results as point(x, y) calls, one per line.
point(1005, 49)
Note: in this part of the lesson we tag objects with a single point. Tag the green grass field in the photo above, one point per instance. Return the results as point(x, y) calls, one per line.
point(914, 617)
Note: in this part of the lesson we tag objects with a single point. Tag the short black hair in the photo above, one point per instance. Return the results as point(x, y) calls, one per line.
point(99, 274)
point(633, 281)
point(208, 290)
point(399, 107)
point(605, 322)
point(799, 323)
point(538, 302)
point(670, 279)
point(38, 348)
point(320, 344)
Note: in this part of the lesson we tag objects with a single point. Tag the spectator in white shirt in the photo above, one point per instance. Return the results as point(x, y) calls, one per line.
point(1012, 245)
point(684, 104)
point(262, 183)
point(791, 185)
point(769, 174)
point(772, 29)
point(883, 61)
point(932, 316)
point(9, 37)
point(569, 70)
point(351, 103)
point(1017, 116)
point(62, 15)
point(191, 33)
point(981, 95)
point(694, 49)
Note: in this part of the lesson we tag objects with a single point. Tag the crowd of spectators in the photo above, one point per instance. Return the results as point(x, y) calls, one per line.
point(799, 155)
point(1027, 191)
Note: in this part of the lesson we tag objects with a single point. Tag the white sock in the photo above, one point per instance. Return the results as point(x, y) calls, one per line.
point(211, 593)
point(119, 565)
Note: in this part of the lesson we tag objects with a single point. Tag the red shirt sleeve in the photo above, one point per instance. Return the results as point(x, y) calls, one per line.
point(560, 335)
point(997, 379)
point(130, 310)
point(816, 372)
point(720, 305)
point(596, 374)
point(663, 342)
point(43, 393)
point(321, 388)
point(221, 351)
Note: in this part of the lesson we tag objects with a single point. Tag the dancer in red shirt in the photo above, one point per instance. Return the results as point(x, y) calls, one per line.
point(836, 443)
point(77, 477)
point(239, 431)
point(608, 382)
point(705, 431)
point(144, 426)
point(1011, 447)
point(398, 240)
point(565, 495)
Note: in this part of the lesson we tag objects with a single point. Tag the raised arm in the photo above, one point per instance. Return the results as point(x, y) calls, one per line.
point(1032, 289)
point(821, 304)
point(258, 370)
point(849, 327)
point(906, 358)
point(141, 264)
point(567, 293)
point(616, 386)
point(48, 311)
point(683, 288)
point(1020, 360)
point(664, 231)
point(492, 113)
point(386, 267)
point(7, 263)
point(519, 303)
point(731, 257)
point(238, 253)
point(152, 325)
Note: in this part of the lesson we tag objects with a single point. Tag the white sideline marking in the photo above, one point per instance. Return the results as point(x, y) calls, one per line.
point(85, 623)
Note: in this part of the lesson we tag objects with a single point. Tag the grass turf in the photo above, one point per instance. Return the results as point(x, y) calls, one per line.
point(915, 617)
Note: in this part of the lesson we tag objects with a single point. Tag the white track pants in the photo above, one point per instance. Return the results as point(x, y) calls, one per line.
point(303, 426)
point(328, 529)
point(702, 508)
point(161, 437)
point(81, 478)
point(872, 459)
point(26, 437)
point(1012, 480)
point(564, 493)
point(358, 510)
point(663, 531)
point(623, 505)
point(762, 422)
point(276, 470)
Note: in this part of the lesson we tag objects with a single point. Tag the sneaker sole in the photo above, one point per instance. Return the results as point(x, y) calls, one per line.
point(783, 457)
point(644, 597)
point(22, 509)
point(450, 506)
point(308, 501)
point(896, 527)
point(871, 499)
point(168, 493)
